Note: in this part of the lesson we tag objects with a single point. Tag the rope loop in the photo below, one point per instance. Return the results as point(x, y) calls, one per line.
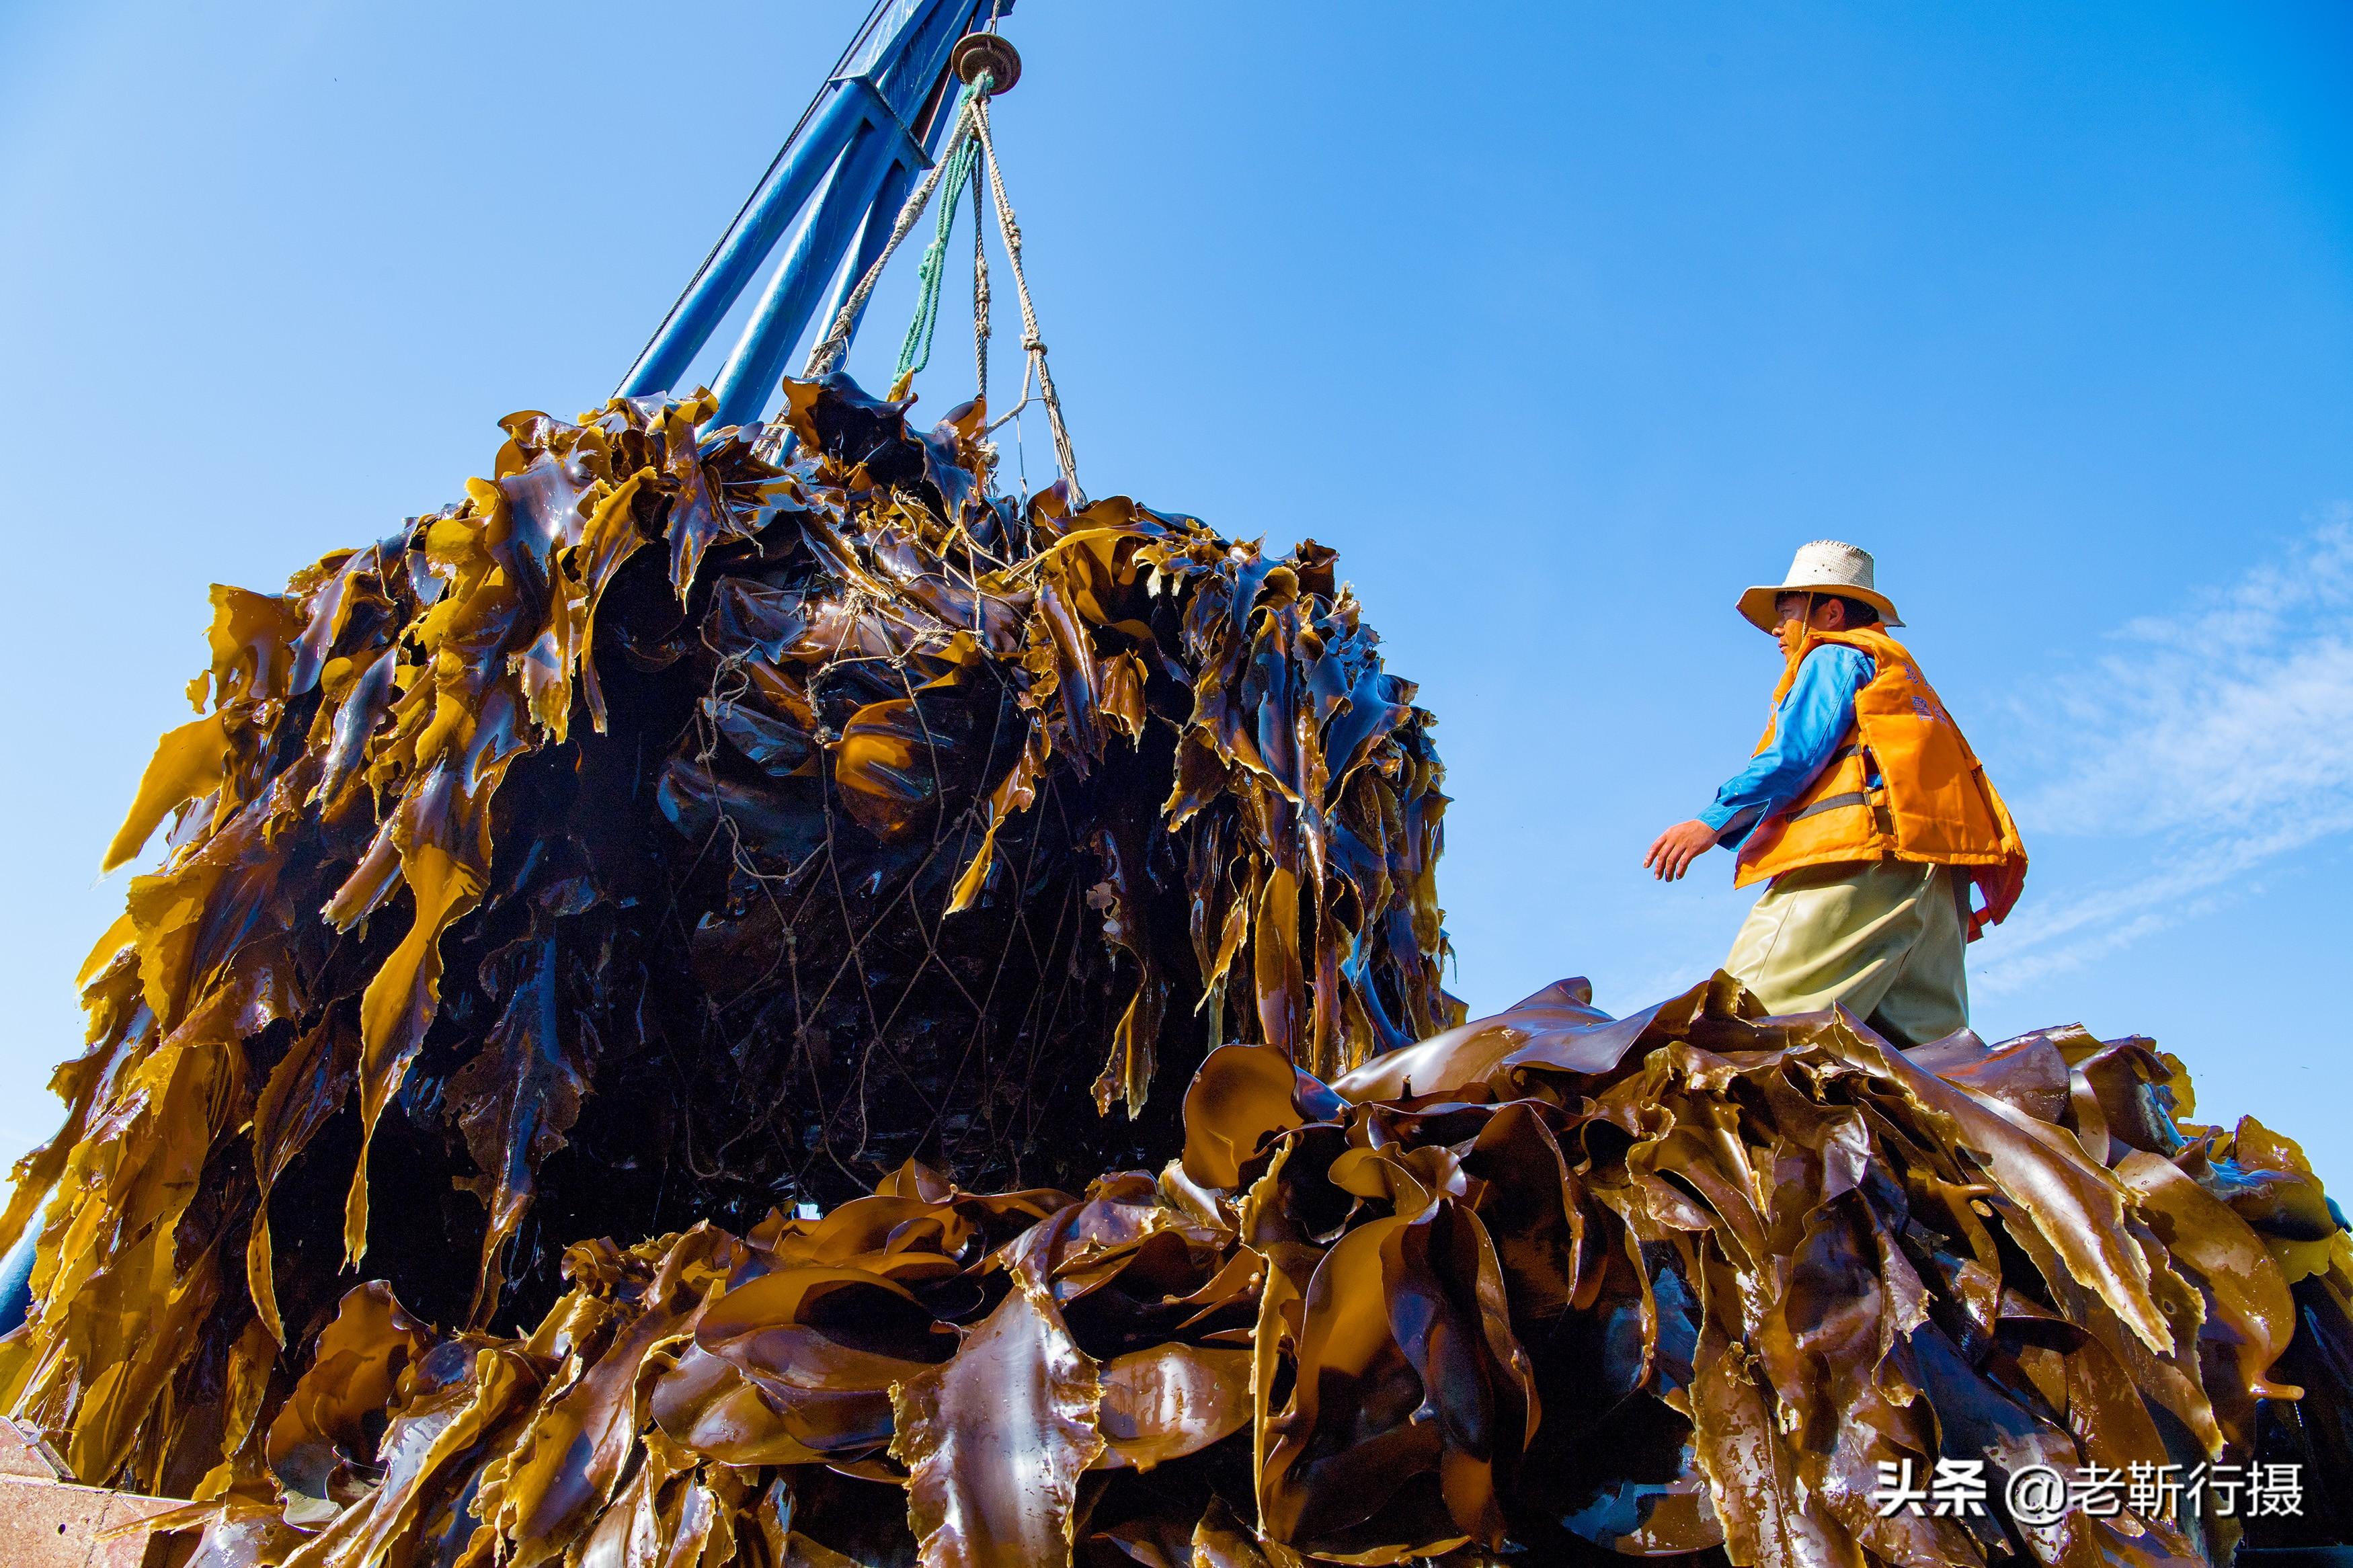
point(1009, 229)
point(971, 146)
point(827, 355)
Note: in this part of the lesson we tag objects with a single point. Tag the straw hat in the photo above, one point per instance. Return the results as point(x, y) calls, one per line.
point(1825, 566)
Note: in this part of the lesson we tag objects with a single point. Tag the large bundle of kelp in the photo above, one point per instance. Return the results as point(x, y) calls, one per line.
point(828, 869)
point(664, 835)
point(1550, 1288)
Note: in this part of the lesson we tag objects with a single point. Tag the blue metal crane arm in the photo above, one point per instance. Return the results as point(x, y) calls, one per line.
point(860, 146)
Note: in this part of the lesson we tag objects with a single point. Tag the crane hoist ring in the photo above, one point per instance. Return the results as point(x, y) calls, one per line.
point(987, 54)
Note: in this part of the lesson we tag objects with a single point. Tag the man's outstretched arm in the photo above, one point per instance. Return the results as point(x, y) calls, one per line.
point(1807, 728)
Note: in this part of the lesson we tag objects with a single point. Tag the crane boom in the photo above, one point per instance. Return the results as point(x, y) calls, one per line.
point(875, 125)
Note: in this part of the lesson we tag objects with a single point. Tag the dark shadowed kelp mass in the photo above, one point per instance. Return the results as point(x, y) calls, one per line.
point(1672, 1285)
point(829, 869)
point(661, 835)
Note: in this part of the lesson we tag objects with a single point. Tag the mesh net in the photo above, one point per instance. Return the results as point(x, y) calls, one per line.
point(663, 836)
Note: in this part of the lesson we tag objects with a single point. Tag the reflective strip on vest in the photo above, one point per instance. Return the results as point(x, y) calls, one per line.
point(1832, 803)
point(1932, 803)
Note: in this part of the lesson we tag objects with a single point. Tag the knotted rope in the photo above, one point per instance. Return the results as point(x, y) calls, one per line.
point(1010, 229)
point(972, 126)
point(980, 302)
point(915, 353)
point(827, 355)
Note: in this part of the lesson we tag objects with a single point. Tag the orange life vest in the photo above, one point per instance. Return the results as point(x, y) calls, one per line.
point(1932, 802)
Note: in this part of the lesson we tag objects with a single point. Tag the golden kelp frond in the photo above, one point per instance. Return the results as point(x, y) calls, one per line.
point(834, 892)
point(661, 834)
point(1669, 1285)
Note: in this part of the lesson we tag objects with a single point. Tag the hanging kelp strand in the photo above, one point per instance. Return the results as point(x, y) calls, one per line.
point(659, 836)
point(1690, 1284)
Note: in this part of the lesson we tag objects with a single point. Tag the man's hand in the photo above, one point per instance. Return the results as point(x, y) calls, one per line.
point(1672, 852)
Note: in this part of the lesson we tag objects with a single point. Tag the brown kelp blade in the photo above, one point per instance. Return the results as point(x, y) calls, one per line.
point(660, 834)
point(1689, 1300)
point(990, 950)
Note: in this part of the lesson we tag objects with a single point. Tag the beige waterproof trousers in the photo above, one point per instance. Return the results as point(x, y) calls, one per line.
point(1883, 938)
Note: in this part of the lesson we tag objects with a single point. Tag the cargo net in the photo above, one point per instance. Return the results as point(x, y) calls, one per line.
point(1696, 1285)
point(989, 955)
point(666, 835)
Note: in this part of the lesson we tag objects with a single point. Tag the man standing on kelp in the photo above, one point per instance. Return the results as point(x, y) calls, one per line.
point(1865, 812)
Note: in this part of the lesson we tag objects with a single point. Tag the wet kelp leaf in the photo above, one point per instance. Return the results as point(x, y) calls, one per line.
point(583, 1440)
point(1559, 1022)
point(517, 1098)
point(1235, 1101)
point(399, 1007)
point(1670, 1283)
point(995, 1441)
point(303, 1089)
point(187, 763)
point(2078, 1207)
point(659, 839)
point(1172, 1400)
point(892, 763)
point(1404, 1395)
point(321, 1435)
point(797, 1366)
point(657, 833)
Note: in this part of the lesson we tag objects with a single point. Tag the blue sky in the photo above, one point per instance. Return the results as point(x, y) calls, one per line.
point(1563, 328)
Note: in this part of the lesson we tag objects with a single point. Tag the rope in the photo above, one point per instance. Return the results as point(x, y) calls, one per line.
point(915, 350)
point(1029, 369)
point(1010, 229)
point(972, 123)
point(980, 303)
point(829, 351)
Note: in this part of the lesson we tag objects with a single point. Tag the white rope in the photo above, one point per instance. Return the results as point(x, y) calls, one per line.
point(1010, 229)
point(980, 301)
point(829, 351)
point(835, 343)
point(1029, 369)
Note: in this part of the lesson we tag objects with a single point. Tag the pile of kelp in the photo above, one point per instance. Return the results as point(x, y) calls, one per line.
point(830, 868)
point(1548, 1288)
point(664, 835)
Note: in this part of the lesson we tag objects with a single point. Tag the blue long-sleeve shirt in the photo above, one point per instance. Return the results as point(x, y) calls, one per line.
point(1806, 727)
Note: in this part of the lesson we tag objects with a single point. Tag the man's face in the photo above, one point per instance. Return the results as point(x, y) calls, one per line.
point(1796, 612)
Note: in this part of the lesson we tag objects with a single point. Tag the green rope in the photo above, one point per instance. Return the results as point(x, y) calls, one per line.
point(915, 353)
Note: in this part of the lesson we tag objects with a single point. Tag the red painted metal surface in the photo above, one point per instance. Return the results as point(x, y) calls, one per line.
point(49, 1523)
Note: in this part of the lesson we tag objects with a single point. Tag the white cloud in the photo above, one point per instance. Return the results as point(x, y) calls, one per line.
point(2224, 733)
